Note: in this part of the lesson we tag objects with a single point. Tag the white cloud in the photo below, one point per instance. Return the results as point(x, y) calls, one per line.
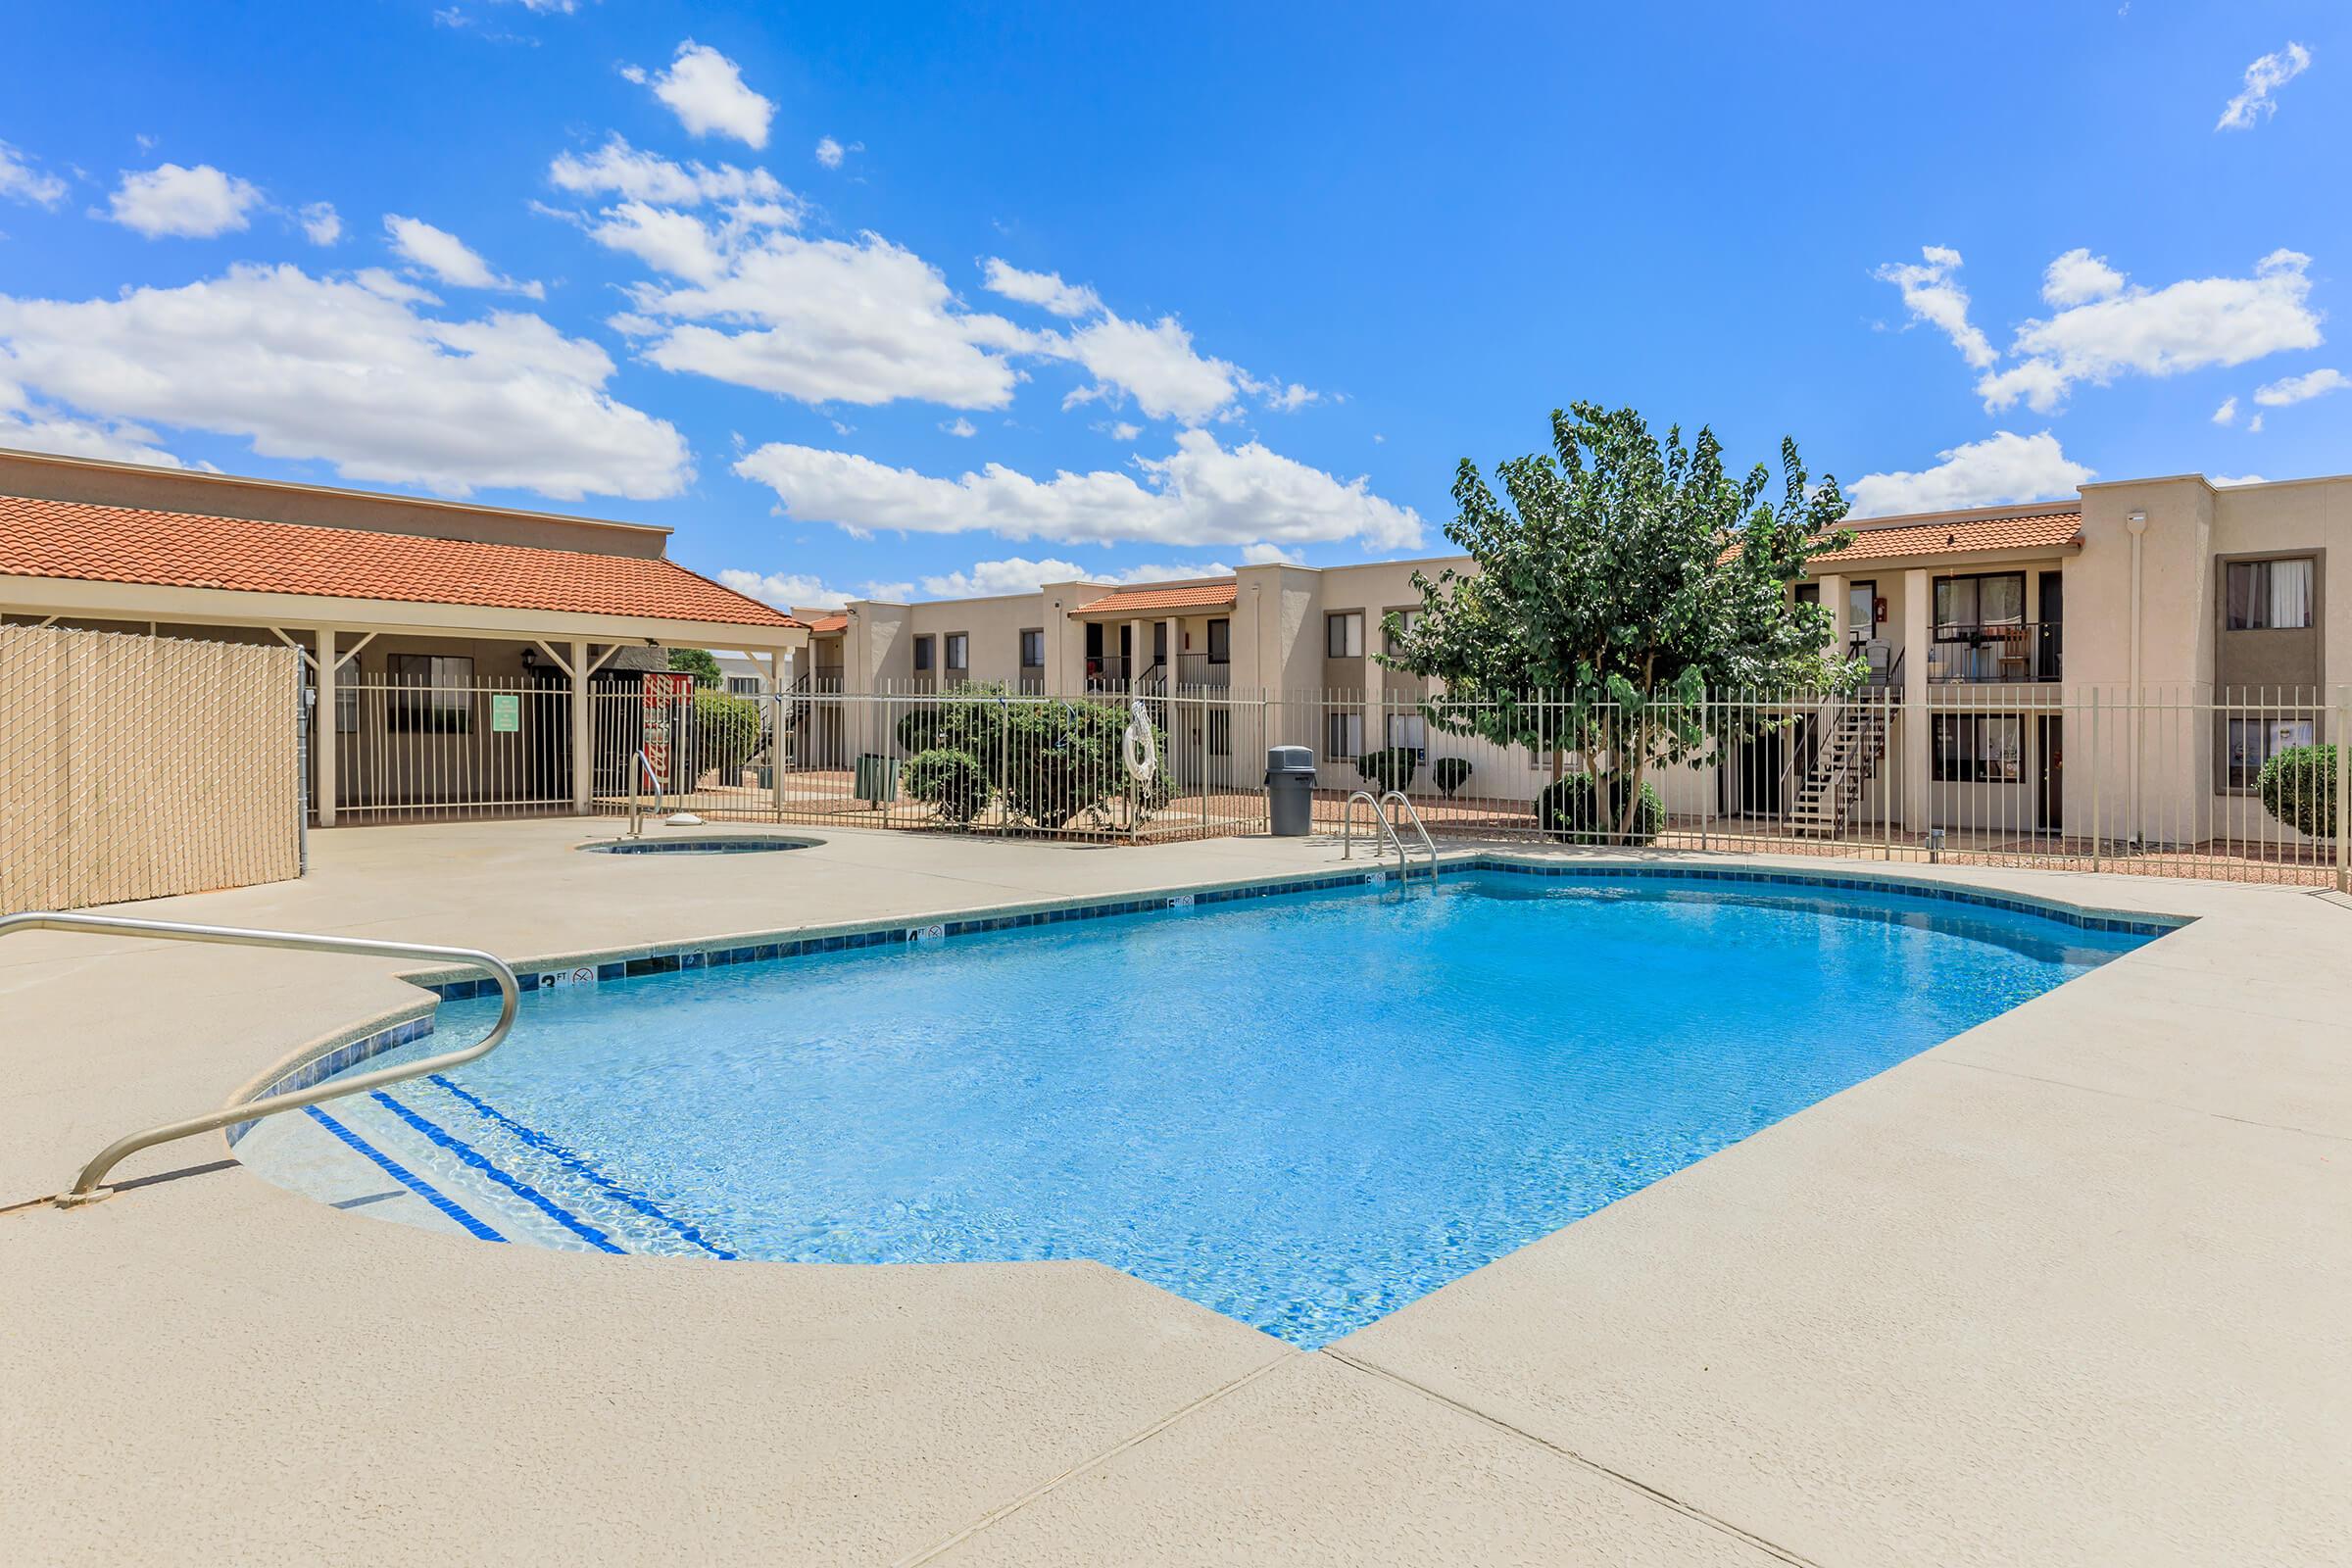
point(1999, 468)
point(1291, 398)
point(2226, 413)
point(2254, 426)
point(344, 371)
point(1014, 574)
point(192, 203)
point(2156, 332)
point(2264, 77)
point(1199, 494)
point(322, 225)
point(705, 89)
point(1932, 295)
point(2226, 480)
point(1046, 290)
point(1265, 554)
point(450, 259)
point(788, 590)
point(960, 426)
point(617, 169)
point(20, 182)
point(29, 426)
point(1121, 431)
point(831, 153)
point(861, 321)
point(1155, 365)
point(2300, 388)
point(2079, 277)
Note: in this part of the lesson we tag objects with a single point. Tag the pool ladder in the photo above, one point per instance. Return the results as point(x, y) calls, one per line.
point(1388, 830)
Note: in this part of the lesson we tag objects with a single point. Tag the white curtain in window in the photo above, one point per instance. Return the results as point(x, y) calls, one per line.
point(2290, 593)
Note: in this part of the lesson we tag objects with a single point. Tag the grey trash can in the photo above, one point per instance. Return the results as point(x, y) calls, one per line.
point(1290, 790)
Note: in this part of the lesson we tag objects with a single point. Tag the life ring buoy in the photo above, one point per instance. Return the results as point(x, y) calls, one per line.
point(1138, 746)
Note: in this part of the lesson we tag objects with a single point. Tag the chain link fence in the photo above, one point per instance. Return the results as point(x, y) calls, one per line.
point(141, 767)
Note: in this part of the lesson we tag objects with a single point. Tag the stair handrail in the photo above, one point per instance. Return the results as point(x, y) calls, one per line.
point(1388, 829)
point(1414, 816)
point(86, 1188)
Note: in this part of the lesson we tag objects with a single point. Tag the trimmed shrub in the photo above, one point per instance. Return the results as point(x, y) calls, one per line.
point(1573, 810)
point(1060, 759)
point(2298, 788)
point(950, 783)
point(726, 729)
point(1392, 770)
point(1449, 774)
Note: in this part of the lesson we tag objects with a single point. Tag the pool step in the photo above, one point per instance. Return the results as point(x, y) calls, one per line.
point(459, 1162)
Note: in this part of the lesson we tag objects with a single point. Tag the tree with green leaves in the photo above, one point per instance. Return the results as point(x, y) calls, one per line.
point(1623, 580)
point(700, 663)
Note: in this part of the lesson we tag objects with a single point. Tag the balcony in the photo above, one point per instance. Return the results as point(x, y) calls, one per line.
point(1106, 673)
point(2015, 653)
point(1199, 669)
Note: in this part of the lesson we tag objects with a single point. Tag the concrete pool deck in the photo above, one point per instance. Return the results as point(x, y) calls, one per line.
point(2068, 1287)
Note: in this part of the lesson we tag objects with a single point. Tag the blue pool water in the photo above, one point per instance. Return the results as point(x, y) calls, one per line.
point(1301, 1111)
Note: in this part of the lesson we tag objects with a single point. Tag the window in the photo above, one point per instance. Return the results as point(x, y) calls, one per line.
point(1978, 748)
point(1996, 599)
point(959, 649)
point(1862, 610)
point(1159, 642)
point(1220, 642)
point(1342, 736)
point(1410, 730)
point(1343, 635)
point(1220, 732)
point(435, 695)
point(1406, 620)
point(922, 655)
point(2269, 595)
point(743, 685)
point(2253, 742)
point(1033, 647)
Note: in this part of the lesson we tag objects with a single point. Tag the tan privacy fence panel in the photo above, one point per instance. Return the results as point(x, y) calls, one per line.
point(133, 767)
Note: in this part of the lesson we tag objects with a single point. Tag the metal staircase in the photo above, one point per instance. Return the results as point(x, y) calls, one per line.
point(1851, 744)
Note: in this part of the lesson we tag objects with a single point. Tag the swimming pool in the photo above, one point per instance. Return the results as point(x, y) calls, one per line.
point(1302, 1112)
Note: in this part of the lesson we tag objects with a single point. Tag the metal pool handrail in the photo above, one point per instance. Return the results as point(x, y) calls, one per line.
point(1387, 829)
point(1427, 843)
point(85, 1186)
point(642, 766)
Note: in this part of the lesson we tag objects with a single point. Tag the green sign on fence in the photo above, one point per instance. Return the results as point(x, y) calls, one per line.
point(506, 712)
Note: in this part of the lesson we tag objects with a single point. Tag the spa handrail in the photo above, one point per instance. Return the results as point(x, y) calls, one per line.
point(85, 1186)
point(1379, 814)
point(642, 767)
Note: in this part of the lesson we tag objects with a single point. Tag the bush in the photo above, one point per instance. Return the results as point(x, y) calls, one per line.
point(1060, 759)
point(1570, 811)
point(726, 730)
point(2298, 788)
point(1392, 770)
point(950, 783)
point(1449, 774)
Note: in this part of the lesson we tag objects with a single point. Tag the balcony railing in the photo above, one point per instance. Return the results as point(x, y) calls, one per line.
point(1199, 669)
point(2016, 653)
point(1106, 673)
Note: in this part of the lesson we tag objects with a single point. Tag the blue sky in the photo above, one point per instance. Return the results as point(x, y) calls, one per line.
point(931, 300)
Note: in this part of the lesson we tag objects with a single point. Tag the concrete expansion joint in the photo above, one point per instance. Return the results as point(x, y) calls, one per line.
point(1618, 1477)
point(932, 1554)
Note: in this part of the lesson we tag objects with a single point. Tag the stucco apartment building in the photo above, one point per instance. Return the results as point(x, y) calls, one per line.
point(2190, 624)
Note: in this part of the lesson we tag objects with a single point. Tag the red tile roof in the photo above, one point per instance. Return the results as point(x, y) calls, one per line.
point(838, 621)
point(71, 539)
point(2044, 530)
point(1185, 596)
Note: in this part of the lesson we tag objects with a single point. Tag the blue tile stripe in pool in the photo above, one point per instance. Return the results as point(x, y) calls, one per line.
point(349, 1055)
point(535, 1139)
point(473, 1158)
point(406, 1177)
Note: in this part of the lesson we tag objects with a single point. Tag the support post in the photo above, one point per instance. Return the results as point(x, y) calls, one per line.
point(583, 733)
point(1918, 727)
point(2343, 790)
point(779, 683)
point(324, 727)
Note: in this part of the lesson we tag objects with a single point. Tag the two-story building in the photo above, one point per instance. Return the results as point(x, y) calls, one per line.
point(2188, 623)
